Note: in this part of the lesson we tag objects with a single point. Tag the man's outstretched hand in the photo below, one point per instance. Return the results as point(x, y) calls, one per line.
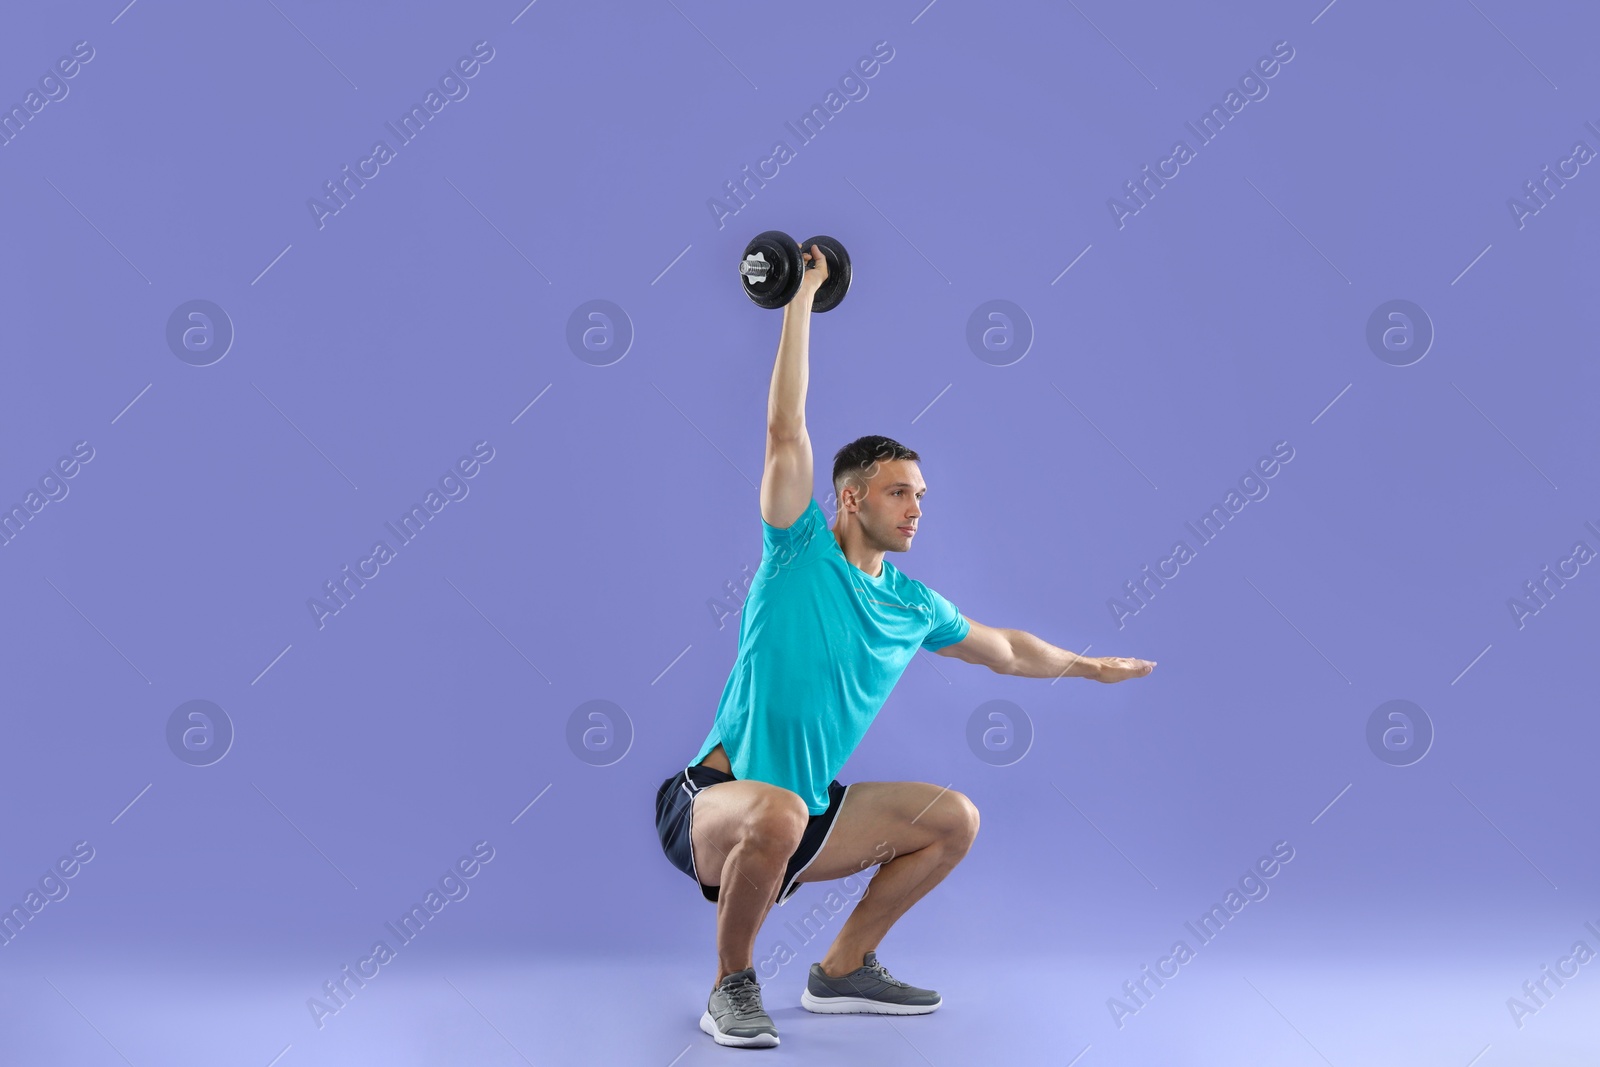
point(1119, 668)
point(813, 278)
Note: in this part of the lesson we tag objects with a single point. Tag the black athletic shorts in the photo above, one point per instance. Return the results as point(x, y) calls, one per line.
point(675, 824)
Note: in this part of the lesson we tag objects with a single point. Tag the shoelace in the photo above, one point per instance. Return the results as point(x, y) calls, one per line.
point(879, 970)
point(744, 997)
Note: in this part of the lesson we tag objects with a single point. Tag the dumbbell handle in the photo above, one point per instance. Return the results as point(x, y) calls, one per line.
point(748, 268)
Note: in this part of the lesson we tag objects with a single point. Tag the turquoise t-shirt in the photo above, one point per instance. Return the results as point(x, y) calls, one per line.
point(821, 644)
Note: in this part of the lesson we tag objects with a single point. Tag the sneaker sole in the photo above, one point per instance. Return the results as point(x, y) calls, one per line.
point(862, 1006)
point(709, 1025)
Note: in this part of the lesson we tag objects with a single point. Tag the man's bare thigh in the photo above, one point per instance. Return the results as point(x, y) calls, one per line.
point(881, 820)
point(719, 814)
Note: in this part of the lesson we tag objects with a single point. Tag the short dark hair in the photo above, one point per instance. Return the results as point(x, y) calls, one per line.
point(863, 455)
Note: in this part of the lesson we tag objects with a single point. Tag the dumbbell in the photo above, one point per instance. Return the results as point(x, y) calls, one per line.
point(772, 266)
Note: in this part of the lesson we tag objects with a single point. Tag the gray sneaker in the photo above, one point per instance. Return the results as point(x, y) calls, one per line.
point(734, 1015)
point(869, 989)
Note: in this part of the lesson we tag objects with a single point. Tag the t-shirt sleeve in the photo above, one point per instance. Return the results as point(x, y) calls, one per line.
point(792, 545)
point(949, 627)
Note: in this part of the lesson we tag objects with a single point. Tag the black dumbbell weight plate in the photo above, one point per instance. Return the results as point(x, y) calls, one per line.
point(770, 269)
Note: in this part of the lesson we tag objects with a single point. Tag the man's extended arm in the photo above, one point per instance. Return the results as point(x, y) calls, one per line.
point(1020, 653)
point(1033, 657)
point(786, 479)
point(791, 372)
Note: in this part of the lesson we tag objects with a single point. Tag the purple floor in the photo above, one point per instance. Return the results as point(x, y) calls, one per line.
point(1278, 1009)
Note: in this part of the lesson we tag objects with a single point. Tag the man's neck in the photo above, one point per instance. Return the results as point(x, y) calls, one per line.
point(868, 563)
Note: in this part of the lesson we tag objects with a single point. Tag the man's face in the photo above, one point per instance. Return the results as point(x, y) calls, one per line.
point(891, 508)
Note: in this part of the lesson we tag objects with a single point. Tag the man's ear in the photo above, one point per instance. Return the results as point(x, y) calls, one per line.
point(855, 496)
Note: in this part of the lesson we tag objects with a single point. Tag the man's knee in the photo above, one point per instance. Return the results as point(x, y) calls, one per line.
point(962, 824)
point(775, 820)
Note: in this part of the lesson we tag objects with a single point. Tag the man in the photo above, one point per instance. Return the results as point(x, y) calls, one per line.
point(827, 628)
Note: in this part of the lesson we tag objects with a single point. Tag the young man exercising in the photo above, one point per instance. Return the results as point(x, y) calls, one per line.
point(827, 628)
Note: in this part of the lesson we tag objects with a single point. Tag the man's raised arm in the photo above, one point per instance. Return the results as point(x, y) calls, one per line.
point(786, 480)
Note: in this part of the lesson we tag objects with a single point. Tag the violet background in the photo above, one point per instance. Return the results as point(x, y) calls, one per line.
point(433, 312)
